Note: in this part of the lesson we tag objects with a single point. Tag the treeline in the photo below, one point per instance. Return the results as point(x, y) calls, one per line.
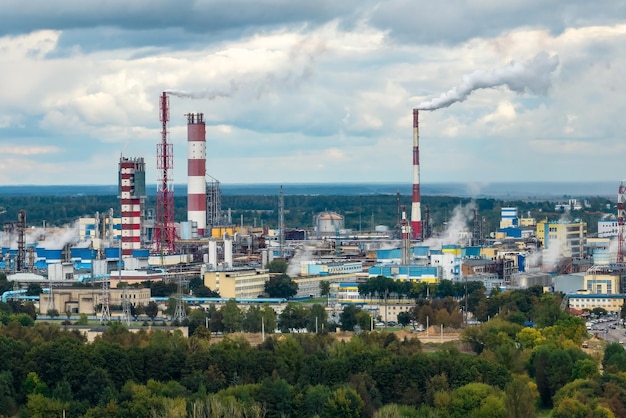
point(362, 213)
point(510, 369)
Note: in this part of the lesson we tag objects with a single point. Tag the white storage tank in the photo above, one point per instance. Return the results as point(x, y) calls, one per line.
point(329, 223)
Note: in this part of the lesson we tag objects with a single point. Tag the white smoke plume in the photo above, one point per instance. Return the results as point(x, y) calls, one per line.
point(301, 255)
point(205, 94)
point(301, 62)
point(531, 76)
point(457, 230)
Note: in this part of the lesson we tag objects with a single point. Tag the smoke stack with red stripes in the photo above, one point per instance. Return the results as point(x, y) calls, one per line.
point(416, 211)
point(196, 171)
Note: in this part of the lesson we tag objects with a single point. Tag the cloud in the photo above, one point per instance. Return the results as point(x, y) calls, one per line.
point(313, 91)
point(27, 150)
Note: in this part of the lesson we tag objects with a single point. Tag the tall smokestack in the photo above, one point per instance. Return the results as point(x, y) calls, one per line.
point(196, 170)
point(416, 211)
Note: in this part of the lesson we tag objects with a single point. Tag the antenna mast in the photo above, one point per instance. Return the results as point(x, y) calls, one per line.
point(165, 230)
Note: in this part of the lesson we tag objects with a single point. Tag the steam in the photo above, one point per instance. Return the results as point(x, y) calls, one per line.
point(531, 76)
point(457, 231)
point(205, 94)
point(301, 62)
point(301, 256)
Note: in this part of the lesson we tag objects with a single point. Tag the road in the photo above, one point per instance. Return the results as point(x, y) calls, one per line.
point(612, 335)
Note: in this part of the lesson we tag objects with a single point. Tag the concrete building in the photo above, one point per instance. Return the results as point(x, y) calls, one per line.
point(563, 238)
point(132, 194)
point(238, 284)
point(86, 301)
point(603, 287)
point(508, 217)
point(607, 228)
point(309, 286)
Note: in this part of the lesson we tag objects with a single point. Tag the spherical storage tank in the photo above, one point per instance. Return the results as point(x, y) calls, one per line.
point(328, 223)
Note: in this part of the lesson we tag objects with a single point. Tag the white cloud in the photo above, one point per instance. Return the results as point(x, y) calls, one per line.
point(327, 98)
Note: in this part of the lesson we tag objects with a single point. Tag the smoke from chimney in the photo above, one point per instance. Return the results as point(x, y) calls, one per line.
point(531, 76)
point(205, 94)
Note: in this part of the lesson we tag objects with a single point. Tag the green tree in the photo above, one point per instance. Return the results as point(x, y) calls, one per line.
point(252, 320)
point(269, 318)
point(277, 265)
point(52, 313)
point(519, 400)
point(348, 317)
point(152, 310)
point(318, 318)
point(344, 403)
point(281, 286)
point(39, 406)
point(293, 317)
point(34, 289)
point(324, 287)
point(364, 320)
point(552, 368)
point(231, 316)
point(404, 318)
point(315, 397)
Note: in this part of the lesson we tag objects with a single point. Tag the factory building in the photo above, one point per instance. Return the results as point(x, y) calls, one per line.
point(568, 237)
point(87, 301)
point(132, 194)
point(238, 284)
point(603, 287)
point(104, 227)
point(508, 217)
point(607, 228)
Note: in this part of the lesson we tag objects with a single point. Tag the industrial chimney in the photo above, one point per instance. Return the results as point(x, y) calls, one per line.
point(196, 171)
point(416, 211)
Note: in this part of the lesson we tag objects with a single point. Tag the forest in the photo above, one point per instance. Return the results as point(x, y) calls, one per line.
point(361, 213)
point(525, 361)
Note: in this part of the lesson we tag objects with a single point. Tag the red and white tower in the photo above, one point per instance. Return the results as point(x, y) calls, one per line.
point(196, 170)
point(621, 221)
point(164, 239)
point(132, 194)
point(416, 211)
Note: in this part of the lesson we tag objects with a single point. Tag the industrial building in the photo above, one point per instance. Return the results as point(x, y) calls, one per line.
point(88, 301)
point(565, 238)
point(132, 193)
point(238, 284)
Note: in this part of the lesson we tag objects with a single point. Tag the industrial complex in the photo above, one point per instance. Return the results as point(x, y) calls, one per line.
point(136, 244)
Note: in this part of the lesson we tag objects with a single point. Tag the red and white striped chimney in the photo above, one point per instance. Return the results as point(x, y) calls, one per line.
point(132, 192)
point(196, 170)
point(416, 211)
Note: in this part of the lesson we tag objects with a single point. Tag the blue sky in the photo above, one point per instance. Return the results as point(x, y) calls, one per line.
point(312, 91)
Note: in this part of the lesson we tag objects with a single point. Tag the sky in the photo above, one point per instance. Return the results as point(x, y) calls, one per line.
point(315, 92)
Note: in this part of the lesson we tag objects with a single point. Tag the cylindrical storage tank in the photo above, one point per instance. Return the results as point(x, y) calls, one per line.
point(196, 171)
point(213, 253)
point(329, 223)
point(228, 251)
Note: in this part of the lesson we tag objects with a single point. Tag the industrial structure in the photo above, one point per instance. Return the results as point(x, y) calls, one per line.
point(164, 239)
point(416, 210)
point(196, 172)
point(132, 193)
point(621, 221)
